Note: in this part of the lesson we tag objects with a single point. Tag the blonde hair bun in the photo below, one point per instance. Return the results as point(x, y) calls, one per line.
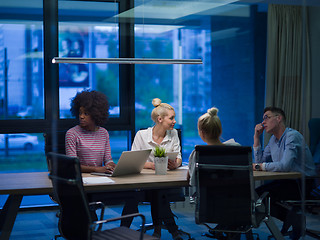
point(213, 111)
point(156, 102)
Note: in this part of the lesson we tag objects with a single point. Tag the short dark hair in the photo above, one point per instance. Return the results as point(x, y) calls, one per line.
point(278, 111)
point(94, 102)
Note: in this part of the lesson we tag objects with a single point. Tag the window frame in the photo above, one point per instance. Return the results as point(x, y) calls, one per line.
point(52, 121)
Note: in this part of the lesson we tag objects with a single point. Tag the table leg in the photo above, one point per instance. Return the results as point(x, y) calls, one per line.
point(8, 215)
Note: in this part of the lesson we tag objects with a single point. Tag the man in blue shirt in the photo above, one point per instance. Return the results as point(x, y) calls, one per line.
point(285, 152)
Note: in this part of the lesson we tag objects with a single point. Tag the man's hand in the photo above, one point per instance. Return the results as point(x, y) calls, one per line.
point(257, 166)
point(258, 129)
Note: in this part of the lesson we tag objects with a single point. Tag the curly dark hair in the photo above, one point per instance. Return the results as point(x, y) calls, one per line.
point(94, 102)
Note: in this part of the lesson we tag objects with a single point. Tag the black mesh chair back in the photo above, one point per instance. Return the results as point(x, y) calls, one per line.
point(65, 174)
point(55, 142)
point(226, 194)
point(314, 127)
point(75, 220)
point(225, 187)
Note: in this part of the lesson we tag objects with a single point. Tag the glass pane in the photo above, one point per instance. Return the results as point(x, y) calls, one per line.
point(223, 36)
point(88, 30)
point(25, 153)
point(22, 152)
point(119, 142)
point(21, 60)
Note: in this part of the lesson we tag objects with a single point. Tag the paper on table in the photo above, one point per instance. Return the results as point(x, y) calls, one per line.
point(96, 180)
point(184, 167)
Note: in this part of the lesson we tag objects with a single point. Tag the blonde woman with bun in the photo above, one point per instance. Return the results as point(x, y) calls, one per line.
point(210, 130)
point(164, 135)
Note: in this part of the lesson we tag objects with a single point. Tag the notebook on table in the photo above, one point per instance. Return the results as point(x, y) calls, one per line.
point(130, 162)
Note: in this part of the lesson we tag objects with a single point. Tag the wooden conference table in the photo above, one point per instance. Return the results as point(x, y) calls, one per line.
point(17, 185)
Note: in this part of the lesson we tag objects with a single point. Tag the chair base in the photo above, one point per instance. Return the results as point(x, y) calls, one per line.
point(222, 233)
point(308, 232)
point(313, 233)
point(150, 226)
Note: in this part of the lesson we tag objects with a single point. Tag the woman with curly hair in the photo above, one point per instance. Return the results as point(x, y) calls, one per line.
point(89, 141)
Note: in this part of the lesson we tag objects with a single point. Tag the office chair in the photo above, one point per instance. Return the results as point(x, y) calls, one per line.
point(75, 220)
point(312, 199)
point(314, 129)
point(54, 143)
point(226, 193)
point(58, 146)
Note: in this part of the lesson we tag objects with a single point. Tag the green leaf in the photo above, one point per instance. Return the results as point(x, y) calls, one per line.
point(159, 151)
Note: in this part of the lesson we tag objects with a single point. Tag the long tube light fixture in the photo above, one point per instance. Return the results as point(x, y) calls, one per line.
point(126, 60)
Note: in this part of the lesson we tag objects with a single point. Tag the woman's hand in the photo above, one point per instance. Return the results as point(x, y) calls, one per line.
point(149, 165)
point(103, 169)
point(173, 164)
point(111, 166)
point(108, 168)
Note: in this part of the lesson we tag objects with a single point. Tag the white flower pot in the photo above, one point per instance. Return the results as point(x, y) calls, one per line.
point(161, 165)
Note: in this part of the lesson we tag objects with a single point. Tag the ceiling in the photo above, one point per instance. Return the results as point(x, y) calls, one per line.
point(172, 12)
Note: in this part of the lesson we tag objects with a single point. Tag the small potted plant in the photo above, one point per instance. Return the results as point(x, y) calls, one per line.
point(160, 160)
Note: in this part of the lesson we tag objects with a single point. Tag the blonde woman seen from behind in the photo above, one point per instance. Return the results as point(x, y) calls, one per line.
point(210, 130)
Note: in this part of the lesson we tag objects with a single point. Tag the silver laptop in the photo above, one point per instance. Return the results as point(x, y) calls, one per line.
point(130, 162)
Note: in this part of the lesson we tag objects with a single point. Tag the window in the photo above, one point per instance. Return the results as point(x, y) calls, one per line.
point(88, 32)
point(32, 93)
point(225, 38)
point(35, 94)
point(21, 60)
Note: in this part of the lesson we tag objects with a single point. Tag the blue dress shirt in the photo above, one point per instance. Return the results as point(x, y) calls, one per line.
point(288, 154)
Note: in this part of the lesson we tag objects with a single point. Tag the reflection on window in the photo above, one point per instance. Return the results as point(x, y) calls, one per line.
point(119, 142)
point(21, 64)
point(226, 79)
point(22, 152)
point(89, 40)
point(173, 84)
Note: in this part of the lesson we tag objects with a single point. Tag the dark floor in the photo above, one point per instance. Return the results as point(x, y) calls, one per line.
point(42, 225)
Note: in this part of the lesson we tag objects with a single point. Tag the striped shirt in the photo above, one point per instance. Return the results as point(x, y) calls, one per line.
point(91, 147)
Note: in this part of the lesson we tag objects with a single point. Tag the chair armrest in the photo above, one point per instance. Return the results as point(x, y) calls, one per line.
point(261, 199)
point(262, 204)
point(94, 206)
point(119, 218)
point(143, 219)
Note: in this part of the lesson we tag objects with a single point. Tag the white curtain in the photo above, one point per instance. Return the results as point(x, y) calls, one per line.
point(288, 68)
